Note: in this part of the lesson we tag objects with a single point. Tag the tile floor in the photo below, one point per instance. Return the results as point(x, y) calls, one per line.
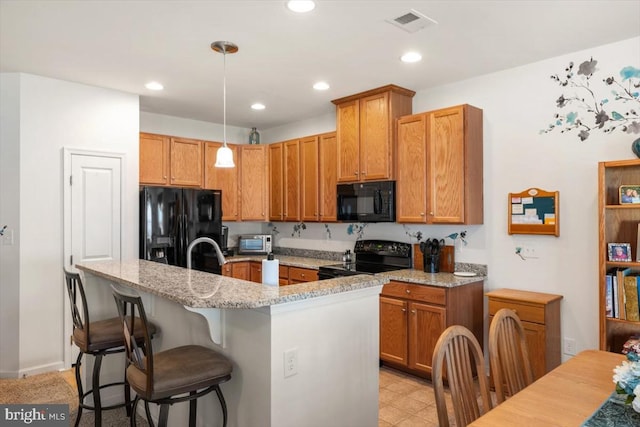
point(406, 401)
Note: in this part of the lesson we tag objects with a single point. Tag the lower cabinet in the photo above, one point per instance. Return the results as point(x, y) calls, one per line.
point(301, 275)
point(539, 314)
point(252, 271)
point(413, 316)
point(237, 270)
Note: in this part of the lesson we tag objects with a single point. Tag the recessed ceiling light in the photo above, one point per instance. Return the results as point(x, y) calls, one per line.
point(411, 57)
point(154, 86)
point(258, 106)
point(321, 86)
point(301, 6)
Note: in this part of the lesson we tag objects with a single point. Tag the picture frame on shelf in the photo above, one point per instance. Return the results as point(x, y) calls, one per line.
point(619, 252)
point(629, 194)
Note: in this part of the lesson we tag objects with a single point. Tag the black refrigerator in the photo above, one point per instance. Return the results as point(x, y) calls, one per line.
point(171, 218)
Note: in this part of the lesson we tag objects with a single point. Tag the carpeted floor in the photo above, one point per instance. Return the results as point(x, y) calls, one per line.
point(58, 388)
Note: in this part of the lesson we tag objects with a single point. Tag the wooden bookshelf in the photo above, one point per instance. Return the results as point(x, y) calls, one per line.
point(617, 224)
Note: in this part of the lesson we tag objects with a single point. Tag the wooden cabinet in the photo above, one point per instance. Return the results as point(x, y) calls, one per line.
point(154, 159)
point(366, 133)
point(291, 180)
point(618, 223)
point(238, 270)
point(283, 275)
point(440, 181)
point(540, 317)
point(301, 275)
point(225, 179)
point(185, 162)
point(309, 175)
point(253, 182)
point(284, 181)
point(412, 318)
point(327, 177)
point(166, 160)
point(256, 271)
point(276, 181)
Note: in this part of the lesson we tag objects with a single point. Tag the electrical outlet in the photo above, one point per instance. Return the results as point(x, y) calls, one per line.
point(290, 362)
point(529, 251)
point(569, 346)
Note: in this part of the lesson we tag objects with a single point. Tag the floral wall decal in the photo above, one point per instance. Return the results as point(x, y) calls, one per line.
point(415, 234)
point(297, 228)
point(274, 229)
point(327, 231)
point(616, 107)
point(357, 229)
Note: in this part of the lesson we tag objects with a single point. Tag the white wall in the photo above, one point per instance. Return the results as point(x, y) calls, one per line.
point(187, 128)
point(9, 216)
point(54, 114)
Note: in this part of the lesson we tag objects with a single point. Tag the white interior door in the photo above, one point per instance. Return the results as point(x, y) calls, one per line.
point(92, 215)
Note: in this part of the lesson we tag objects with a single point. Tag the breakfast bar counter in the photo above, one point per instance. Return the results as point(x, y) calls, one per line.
point(304, 354)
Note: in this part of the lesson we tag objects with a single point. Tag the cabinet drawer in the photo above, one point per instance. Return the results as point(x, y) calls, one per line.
point(526, 312)
point(428, 294)
point(302, 274)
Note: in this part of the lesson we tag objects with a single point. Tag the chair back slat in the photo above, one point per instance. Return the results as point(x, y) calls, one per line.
point(130, 311)
point(460, 350)
point(79, 315)
point(508, 354)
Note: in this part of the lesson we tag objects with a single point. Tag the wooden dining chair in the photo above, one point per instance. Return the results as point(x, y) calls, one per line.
point(459, 348)
point(508, 355)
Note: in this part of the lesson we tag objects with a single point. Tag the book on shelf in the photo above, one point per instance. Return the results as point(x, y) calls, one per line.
point(608, 297)
point(616, 276)
point(631, 298)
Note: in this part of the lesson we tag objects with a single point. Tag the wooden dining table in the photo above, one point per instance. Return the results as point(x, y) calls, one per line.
point(566, 396)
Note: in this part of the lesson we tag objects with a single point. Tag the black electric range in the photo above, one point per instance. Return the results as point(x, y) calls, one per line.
point(372, 256)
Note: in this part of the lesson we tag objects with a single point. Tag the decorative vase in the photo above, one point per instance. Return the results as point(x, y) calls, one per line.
point(254, 136)
point(635, 147)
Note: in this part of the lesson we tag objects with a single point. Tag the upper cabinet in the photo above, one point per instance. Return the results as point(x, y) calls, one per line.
point(366, 133)
point(276, 176)
point(284, 181)
point(225, 179)
point(309, 178)
point(253, 182)
point(185, 162)
point(440, 181)
point(166, 160)
point(154, 159)
point(327, 176)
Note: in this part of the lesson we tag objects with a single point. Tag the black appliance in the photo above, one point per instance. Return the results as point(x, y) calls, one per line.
point(372, 256)
point(367, 201)
point(170, 218)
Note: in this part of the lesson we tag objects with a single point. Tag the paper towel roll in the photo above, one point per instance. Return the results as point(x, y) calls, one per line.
point(270, 272)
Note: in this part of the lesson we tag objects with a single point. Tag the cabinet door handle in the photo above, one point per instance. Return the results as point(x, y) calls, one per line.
point(421, 213)
point(408, 291)
point(356, 172)
point(413, 311)
point(404, 309)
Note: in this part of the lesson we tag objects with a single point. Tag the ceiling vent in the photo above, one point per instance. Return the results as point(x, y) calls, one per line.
point(412, 21)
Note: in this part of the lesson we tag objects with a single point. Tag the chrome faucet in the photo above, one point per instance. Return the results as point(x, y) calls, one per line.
point(213, 243)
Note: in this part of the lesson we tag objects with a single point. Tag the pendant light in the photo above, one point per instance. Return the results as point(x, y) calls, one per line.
point(224, 156)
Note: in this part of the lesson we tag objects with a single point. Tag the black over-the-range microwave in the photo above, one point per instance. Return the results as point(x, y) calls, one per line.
point(367, 201)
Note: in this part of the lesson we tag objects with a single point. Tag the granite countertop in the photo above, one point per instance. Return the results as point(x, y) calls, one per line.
point(199, 289)
point(443, 280)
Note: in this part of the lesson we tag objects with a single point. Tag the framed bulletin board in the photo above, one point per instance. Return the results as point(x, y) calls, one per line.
point(534, 211)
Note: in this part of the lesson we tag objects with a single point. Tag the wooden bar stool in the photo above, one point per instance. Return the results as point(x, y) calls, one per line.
point(99, 338)
point(171, 376)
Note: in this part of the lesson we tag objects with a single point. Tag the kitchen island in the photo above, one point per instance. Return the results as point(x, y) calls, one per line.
point(330, 329)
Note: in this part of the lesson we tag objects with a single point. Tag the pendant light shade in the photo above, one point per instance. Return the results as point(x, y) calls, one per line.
point(224, 156)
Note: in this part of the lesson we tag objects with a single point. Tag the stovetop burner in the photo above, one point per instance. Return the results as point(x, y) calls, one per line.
point(372, 256)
